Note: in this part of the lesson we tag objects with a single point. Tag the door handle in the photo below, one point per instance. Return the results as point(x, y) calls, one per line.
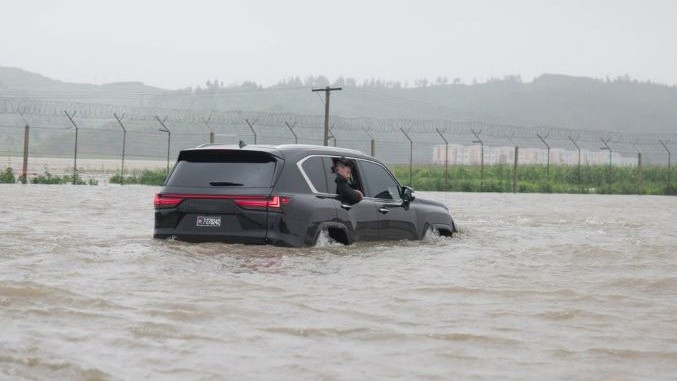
point(384, 210)
point(346, 206)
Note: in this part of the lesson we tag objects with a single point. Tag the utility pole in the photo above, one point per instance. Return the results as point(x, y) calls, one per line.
point(327, 91)
point(291, 128)
point(75, 152)
point(169, 136)
point(24, 168)
point(124, 143)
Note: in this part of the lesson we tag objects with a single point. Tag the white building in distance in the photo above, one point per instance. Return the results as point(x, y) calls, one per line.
point(471, 155)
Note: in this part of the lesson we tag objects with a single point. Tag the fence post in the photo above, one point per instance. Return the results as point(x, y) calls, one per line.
point(330, 135)
point(514, 171)
point(639, 173)
point(169, 137)
point(75, 151)
point(251, 127)
point(24, 168)
point(372, 142)
point(665, 145)
point(477, 136)
point(124, 143)
point(446, 159)
point(291, 128)
point(547, 170)
point(206, 123)
point(580, 186)
point(606, 147)
point(411, 155)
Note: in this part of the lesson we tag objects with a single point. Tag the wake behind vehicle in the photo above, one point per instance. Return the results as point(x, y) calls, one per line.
point(285, 195)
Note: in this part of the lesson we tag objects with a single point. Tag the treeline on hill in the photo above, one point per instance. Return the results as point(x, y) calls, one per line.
point(621, 104)
point(496, 178)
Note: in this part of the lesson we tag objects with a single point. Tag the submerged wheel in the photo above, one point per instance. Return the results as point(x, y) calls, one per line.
point(436, 231)
point(331, 235)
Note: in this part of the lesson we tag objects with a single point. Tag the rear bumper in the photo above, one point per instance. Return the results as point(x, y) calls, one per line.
point(165, 233)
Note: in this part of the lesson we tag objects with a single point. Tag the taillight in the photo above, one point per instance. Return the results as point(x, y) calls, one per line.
point(272, 203)
point(165, 201)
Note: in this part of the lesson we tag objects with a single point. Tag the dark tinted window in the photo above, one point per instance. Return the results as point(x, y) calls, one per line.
point(314, 169)
point(223, 168)
point(378, 182)
point(329, 171)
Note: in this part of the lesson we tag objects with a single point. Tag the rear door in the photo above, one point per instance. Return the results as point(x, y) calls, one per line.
point(224, 195)
point(395, 220)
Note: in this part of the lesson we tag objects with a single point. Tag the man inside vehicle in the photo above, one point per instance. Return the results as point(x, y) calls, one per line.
point(344, 187)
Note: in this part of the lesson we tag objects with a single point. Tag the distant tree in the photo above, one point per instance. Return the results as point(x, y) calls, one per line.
point(250, 85)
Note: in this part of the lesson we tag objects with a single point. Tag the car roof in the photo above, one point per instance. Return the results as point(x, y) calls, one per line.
point(290, 150)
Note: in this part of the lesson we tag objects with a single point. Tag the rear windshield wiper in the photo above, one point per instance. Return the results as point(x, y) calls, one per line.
point(224, 184)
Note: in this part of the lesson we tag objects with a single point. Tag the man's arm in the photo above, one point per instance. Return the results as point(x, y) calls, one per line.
point(348, 194)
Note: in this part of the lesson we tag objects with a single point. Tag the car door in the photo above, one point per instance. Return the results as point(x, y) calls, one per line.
point(362, 218)
point(397, 220)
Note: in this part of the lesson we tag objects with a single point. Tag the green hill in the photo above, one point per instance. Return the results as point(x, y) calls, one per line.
point(621, 104)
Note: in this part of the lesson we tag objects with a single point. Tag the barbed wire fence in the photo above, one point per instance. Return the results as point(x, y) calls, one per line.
point(107, 139)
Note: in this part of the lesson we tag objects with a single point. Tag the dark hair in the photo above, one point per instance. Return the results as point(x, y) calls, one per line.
point(343, 161)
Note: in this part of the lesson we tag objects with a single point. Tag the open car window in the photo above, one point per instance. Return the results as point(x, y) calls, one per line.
point(355, 181)
point(378, 182)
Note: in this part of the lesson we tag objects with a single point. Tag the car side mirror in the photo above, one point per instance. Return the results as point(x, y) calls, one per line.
point(408, 195)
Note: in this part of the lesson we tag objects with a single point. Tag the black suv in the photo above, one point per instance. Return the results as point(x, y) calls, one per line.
point(285, 195)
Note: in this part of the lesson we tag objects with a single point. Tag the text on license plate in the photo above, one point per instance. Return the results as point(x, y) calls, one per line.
point(210, 221)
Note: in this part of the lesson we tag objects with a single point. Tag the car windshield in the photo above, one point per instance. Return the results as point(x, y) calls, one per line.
point(223, 168)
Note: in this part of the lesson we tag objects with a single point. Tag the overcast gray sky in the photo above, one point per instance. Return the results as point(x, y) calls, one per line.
point(175, 44)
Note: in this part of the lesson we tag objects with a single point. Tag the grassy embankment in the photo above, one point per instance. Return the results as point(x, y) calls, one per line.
point(7, 176)
point(497, 178)
point(531, 178)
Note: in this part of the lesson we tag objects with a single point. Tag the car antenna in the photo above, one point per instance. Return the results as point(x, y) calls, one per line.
point(242, 144)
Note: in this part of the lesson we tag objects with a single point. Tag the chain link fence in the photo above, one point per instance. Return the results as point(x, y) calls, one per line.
point(152, 137)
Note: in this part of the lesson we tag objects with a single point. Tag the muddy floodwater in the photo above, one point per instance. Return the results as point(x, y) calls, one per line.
point(535, 287)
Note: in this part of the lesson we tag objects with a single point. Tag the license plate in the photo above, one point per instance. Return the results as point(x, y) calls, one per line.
point(208, 221)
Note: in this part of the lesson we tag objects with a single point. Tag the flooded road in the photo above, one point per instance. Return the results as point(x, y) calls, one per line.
point(535, 287)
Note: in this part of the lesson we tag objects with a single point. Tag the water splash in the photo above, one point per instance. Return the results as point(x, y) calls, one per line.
point(325, 240)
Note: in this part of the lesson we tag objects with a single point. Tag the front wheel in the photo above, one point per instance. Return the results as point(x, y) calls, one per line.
point(435, 232)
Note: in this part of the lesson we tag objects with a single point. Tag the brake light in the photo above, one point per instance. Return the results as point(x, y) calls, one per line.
point(165, 201)
point(272, 203)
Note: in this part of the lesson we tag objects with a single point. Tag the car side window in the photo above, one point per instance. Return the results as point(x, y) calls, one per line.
point(314, 169)
point(330, 174)
point(378, 182)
